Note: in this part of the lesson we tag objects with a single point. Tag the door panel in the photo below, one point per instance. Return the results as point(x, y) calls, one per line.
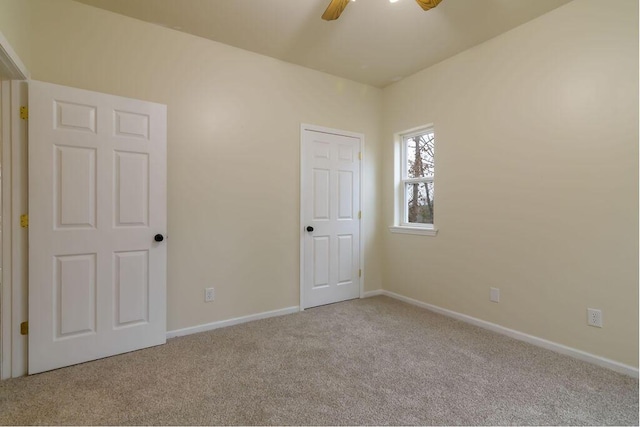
point(345, 195)
point(75, 189)
point(320, 194)
point(131, 189)
point(75, 297)
point(97, 197)
point(330, 204)
point(75, 117)
point(320, 261)
point(131, 287)
point(345, 259)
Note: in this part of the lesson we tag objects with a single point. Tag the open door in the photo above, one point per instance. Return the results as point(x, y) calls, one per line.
point(97, 224)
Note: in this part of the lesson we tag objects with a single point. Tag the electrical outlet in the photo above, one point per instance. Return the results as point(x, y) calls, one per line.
point(209, 294)
point(494, 295)
point(594, 317)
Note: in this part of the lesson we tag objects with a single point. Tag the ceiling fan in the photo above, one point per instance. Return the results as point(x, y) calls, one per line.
point(336, 7)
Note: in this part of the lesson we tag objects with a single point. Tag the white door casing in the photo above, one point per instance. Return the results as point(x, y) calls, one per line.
point(14, 237)
point(12, 345)
point(330, 205)
point(97, 198)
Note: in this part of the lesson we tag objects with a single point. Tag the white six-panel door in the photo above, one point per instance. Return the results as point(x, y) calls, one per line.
point(97, 198)
point(330, 194)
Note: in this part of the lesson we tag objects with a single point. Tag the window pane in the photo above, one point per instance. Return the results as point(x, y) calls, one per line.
point(420, 155)
point(420, 202)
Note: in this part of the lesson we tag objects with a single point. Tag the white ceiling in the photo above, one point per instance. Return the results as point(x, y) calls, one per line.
point(374, 41)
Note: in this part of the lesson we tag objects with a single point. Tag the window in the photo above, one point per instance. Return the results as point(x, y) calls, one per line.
point(415, 198)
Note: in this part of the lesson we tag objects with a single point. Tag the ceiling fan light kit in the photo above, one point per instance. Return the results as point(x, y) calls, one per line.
point(336, 7)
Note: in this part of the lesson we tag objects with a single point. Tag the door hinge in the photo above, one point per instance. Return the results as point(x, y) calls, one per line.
point(24, 221)
point(360, 155)
point(24, 112)
point(359, 273)
point(359, 214)
point(24, 328)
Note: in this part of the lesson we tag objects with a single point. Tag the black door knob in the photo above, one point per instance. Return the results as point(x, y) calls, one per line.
point(309, 229)
point(158, 238)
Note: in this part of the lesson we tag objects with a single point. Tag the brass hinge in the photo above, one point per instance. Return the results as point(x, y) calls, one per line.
point(24, 112)
point(360, 155)
point(359, 273)
point(359, 214)
point(24, 328)
point(24, 221)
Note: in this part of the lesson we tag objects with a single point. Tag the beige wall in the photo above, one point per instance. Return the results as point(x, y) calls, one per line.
point(233, 123)
point(536, 179)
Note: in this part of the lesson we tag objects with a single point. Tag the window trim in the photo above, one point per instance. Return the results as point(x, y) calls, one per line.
point(421, 231)
point(401, 224)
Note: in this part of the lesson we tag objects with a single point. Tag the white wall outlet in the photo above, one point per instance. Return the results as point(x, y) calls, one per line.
point(594, 317)
point(209, 294)
point(494, 295)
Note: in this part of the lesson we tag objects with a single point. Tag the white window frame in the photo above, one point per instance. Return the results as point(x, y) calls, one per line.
point(401, 223)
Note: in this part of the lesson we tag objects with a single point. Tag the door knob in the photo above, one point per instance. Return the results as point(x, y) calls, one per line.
point(158, 237)
point(309, 229)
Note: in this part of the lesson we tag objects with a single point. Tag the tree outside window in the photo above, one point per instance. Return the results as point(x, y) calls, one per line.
point(417, 177)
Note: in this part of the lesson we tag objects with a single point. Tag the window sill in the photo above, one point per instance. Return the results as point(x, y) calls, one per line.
point(422, 231)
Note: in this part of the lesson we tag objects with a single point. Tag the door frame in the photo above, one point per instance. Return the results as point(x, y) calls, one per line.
point(307, 127)
point(13, 346)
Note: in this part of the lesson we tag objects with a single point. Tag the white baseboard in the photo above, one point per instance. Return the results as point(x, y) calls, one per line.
point(375, 293)
point(230, 322)
point(540, 342)
point(521, 336)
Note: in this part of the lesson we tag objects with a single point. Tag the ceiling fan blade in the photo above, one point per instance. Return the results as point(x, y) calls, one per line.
point(428, 4)
point(334, 9)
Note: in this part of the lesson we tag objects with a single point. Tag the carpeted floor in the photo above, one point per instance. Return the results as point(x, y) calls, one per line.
point(373, 361)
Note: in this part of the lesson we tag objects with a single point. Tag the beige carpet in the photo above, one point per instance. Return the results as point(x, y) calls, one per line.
point(373, 361)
